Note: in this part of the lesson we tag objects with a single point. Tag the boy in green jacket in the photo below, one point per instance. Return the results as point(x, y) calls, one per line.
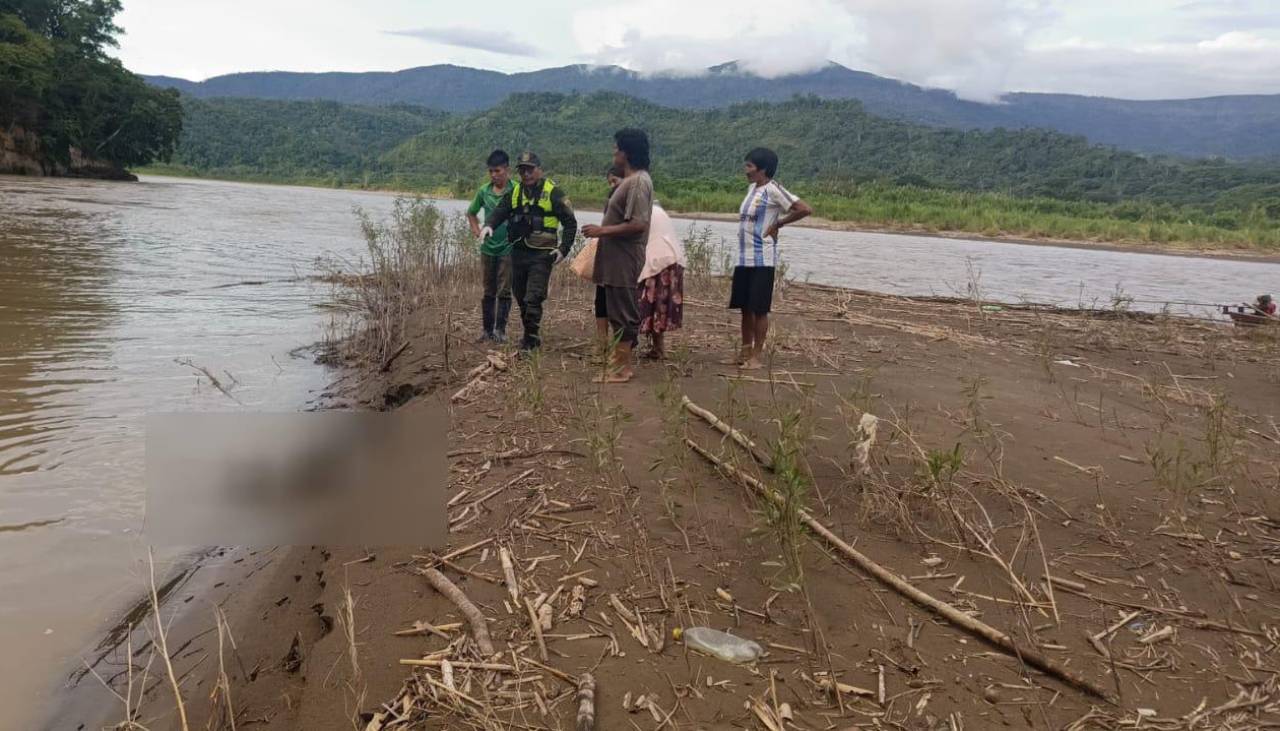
point(495, 250)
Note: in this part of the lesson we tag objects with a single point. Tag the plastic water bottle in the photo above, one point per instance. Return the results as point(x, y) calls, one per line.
point(723, 645)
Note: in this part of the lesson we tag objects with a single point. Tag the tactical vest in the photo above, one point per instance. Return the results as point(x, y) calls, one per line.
point(531, 217)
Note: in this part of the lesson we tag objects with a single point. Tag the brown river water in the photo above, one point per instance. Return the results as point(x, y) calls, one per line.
point(106, 287)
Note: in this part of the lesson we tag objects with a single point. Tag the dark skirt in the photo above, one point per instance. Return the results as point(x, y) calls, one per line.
point(661, 300)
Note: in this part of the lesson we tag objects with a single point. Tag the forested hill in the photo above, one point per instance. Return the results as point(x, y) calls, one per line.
point(824, 142)
point(264, 138)
point(66, 107)
point(1228, 126)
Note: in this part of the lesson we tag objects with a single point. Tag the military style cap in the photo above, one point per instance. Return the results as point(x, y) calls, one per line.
point(528, 160)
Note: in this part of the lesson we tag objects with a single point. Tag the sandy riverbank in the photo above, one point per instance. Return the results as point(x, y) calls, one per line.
point(1132, 458)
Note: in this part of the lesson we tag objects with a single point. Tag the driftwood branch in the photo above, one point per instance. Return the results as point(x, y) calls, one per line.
point(479, 627)
point(742, 439)
point(981, 629)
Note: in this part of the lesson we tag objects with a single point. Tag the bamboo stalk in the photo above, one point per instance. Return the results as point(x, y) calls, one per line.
point(479, 627)
point(977, 627)
point(509, 574)
point(586, 720)
point(537, 629)
point(728, 431)
point(459, 664)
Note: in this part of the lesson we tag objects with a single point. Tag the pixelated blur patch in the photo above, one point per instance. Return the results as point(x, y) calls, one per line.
point(315, 478)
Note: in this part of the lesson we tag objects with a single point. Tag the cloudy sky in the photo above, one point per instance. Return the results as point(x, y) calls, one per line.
point(1140, 49)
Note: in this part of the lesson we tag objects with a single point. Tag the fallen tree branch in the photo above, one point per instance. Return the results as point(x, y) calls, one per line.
point(729, 431)
point(479, 627)
point(513, 453)
point(974, 626)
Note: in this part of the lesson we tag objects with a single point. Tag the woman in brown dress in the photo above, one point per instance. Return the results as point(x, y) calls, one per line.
point(660, 291)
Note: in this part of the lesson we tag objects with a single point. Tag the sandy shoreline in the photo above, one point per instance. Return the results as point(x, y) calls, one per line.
point(1071, 420)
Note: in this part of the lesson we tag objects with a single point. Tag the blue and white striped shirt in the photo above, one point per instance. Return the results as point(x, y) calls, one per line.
point(761, 208)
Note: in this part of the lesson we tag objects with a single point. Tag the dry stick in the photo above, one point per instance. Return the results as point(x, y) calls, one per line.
point(728, 431)
point(537, 629)
point(459, 664)
point(451, 592)
point(163, 641)
point(509, 574)
point(586, 703)
point(981, 629)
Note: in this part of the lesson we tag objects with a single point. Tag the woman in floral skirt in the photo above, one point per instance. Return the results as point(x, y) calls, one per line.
point(661, 289)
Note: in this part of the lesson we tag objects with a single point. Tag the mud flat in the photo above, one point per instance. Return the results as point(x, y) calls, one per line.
point(1099, 487)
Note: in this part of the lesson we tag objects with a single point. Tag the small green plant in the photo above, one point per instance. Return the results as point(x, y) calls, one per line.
point(703, 250)
point(792, 484)
point(1175, 468)
point(1220, 435)
point(972, 390)
point(941, 467)
point(1045, 343)
point(601, 430)
point(531, 391)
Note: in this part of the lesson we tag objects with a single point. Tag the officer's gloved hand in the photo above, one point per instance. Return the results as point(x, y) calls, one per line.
point(559, 258)
point(486, 232)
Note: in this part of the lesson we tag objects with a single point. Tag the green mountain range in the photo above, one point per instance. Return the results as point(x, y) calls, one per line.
point(1244, 126)
point(829, 144)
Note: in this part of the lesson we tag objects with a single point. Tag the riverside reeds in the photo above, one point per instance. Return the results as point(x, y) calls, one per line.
point(418, 260)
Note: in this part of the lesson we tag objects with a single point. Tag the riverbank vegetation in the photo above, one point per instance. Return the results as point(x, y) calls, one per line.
point(853, 166)
point(75, 108)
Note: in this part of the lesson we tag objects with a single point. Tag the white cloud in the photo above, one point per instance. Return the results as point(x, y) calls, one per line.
point(1236, 62)
point(1238, 41)
point(473, 38)
point(979, 48)
point(765, 37)
point(964, 45)
point(968, 46)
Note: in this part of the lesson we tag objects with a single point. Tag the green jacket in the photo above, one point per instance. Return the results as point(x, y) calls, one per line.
point(486, 200)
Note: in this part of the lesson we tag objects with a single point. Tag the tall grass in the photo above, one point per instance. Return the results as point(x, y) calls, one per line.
point(416, 260)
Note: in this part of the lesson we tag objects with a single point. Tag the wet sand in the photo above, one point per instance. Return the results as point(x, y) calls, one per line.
point(1131, 457)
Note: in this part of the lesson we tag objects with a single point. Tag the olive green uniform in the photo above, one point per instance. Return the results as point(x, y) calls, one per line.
point(540, 221)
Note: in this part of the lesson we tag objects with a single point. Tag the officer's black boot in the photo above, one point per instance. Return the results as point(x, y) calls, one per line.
point(487, 316)
point(530, 341)
point(500, 324)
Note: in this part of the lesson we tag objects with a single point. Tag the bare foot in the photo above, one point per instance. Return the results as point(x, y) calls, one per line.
point(751, 364)
point(622, 376)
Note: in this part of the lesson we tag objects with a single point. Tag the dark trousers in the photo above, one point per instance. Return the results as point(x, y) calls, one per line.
point(496, 273)
point(622, 310)
point(496, 304)
point(530, 277)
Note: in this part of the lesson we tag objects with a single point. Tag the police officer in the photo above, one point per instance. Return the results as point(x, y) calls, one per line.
point(541, 227)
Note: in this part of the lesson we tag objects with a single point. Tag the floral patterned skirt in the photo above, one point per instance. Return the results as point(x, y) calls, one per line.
point(661, 299)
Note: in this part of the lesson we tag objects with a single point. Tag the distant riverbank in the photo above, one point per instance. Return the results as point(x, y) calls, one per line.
point(884, 208)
